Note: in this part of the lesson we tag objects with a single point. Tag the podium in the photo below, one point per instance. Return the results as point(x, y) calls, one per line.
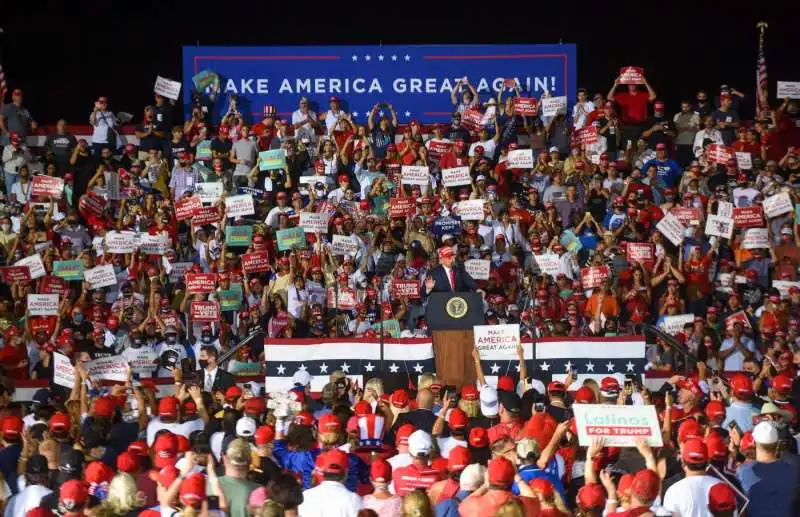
point(450, 318)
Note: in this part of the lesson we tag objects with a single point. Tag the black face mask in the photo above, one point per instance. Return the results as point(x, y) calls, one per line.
point(172, 340)
point(203, 364)
point(206, 339)
point(137, 343)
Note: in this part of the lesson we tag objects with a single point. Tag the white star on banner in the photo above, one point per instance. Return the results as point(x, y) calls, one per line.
point(629, 366)
point(345, 368)
point(354, 114)
point(408, 113)
point(589, 367)
point(323, 368)
point(394, 368)
point(568, 366)
point(610, 366)
point(408, 58)
point(418, 368)
point(394, 57)
point(545, 367)
point(517, 367)
point(380, 113)
point(495, 368)
point(355, 57)
point(380, 57)
point(302, 367)
point(369, 367)
point(281, 369)
point(368, 57)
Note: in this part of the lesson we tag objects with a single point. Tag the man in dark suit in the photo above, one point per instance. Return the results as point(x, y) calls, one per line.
point(448, 276)
point(421, 418)
point(214, 378)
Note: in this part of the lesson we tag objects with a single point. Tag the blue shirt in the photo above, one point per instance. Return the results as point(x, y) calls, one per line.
point(667, 171)
point(740, 412)
point(449, 507)
point(9, 456)
point(380, 140)
point(531, 472)
point(303, 462)
point(771, 488)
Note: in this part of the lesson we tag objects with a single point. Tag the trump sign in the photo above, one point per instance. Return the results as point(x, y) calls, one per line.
point(416, 80)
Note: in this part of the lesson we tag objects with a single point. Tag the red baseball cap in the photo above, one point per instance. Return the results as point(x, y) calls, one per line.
point(478, 437)
point(742, 386)
point(233, 393)
point(715, 409)
point(380, 471)
point(721, 498)
point(304, 418)
point(166, 450)
point(264, 434)
point(584, 395)
point(332, 461)
point(501, 472)
point(139, 448)
point(645, 485)
point(98, 472)
point(403, 432)
point(694, 451)
point(127, 462)
point(505, 383)
point(73, 494)
point(459, 458)
point(168, 407)
point(400, 399)
point(11, 426)
point(591, 496)
point(193, 490)
point(329, 423)
point(457, 420)
point(556, 387)
point(59, 422)
point(689, 429)
point(717, 450)
point(362, 408)
point(747, 441)
point(104, 407)
point(167, 476)
point(469, 392)
point(782, 384)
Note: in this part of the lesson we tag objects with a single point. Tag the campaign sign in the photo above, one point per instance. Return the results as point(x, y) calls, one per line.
point(176, 270)
point(444, 225)
point(570, 241)
point(204, 311)
point(42, 304)
point(343, 245)
point(471, 210)
point(400, 207)
point(594, 276)
point(93, 203)
point(231, 299)
point(520, 159)
point(47, 186)
point(68, 269)
point(204, 150)
point(167, 88)
point(120, 242)
point(725, 209)
point(778, 204)
point(16, 274)
point(54, 285)
point(437, 148)
point(549, 263)
point(200, 283)
point(204, 78)
point(552, 106)
point(185, 207)
point(631, 75)
point(719, 154)
point(456, 176)
point(100, 276)
point(755, 238)
point(789, 89)
point(585, 135)
point(206, 215)
point(272, 159)
point(236, 236)
point(407, 288)
point(314, 223)
point(619, 426)
point(526, 106)
point(239, 205)
point(783, 286)
point(35, 265)
point(112, 368)
point(745, 161)
point(415, 175)
point(478, 268)
point(209, 192)
point(153, 244)
point(719, 226)
point(257, 262)
point(671, 228)
point(641, 251)
point(674, 324)
point(63, 371)
point(291, 238)
point(748, 217)
point(472, 119)
point(416, 79)
point(497, 341)
point(143, 361)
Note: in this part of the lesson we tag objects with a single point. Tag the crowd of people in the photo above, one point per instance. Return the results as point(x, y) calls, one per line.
point(575, 247)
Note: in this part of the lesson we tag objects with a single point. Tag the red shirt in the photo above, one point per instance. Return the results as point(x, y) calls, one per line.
point(633, 108)
point(488, 504)
point(450, 160)
point(409, 478)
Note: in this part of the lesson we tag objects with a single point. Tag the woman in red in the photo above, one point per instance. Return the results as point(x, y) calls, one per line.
point(697, 285)
point(14, 356)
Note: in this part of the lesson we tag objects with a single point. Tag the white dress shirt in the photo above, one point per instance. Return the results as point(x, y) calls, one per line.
point(329, 499)
point(209, 378)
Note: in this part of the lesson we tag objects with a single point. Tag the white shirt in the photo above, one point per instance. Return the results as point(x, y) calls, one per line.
point(735, 361)
point(579, 115)
point(489, 148)
point(155, 425)
point(450, 278)
point(22, 192)
point(103, 121)
point(329, 499)
point(401, 459)
point(448, 444)
point(306, 130)
point(209, 378)
point(332, 120)
point(689, 496)
point(26, 500)
point(712, 134)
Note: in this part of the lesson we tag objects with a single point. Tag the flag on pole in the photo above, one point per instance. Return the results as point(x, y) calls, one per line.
point(3, 85)
point(761, 69)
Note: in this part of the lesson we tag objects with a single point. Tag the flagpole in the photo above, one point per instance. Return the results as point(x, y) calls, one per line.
point(762, 93)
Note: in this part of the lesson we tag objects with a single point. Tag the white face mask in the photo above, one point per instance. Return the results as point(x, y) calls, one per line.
point(6, 227)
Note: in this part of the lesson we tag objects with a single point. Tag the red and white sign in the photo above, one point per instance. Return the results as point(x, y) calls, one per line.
point(185, 207)
point(776, 205)
point(497, 341)
point(63, 371)
point(719, 154)
point(167, 88)
point(91, 202)
point(520, 159)
point(343, 245)
point(47, 186)
point(43, 304)
point(236, 206)
point(16, 274)
point(34, 264)
point(120, 242)
point(255, 262)
point(585, 135)
point(472, 119)
point(206, 215)
point(641, 251)
point(686, 215)
point(438, 148)
point(744, 160)
point(201, 283)
point(314, 223)
point(400, 207)
point(737, 317)
point(154, 244)
point(618, 426)
point(456, 176)
point(112, 368)
point(552, 106)
point(415, 175)
point(478, 268)
point(594, 276)
point(471, 210)
point(204, 311)
point(407, 288)
point(748, 217)
point(526, 106)
point(789, 89)
point(100, 276)
point(631, 75)
point(549, 263)
point(54, 285)
point(345, 300)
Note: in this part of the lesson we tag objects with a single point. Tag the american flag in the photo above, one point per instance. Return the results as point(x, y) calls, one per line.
point(3, 85)
point(761, 73)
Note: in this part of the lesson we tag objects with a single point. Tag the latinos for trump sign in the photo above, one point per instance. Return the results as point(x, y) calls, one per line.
point(620, 426)
point(416, 80)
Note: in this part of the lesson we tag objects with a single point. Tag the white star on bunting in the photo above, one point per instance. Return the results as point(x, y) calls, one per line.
point(418, 368)
point(394, 368)
point(381, 113)
point(545, 367)
point(629, 366)
point(408, 58)
point(394, 58)
point(323, 368)
point(380, 57)
point(568, 366)
point(589, 367)
point(495, 368)
point(355, 57)
point(345, 368)
point(610, 366)
point(368, 57)
point(354, 114)
point(281, 369)
point(302, 367)
point(369, 367)
point(408, 113)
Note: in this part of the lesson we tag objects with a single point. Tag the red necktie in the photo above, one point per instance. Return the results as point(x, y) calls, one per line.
point(453, 278)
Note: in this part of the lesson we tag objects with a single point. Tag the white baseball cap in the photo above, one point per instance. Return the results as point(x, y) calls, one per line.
point(419, 443)
point(472, 477)
point(489, 406)
point(245, 427)
point(765, 433)
point(301, 378)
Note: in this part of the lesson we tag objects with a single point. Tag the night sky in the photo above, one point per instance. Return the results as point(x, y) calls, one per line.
point(66, 55)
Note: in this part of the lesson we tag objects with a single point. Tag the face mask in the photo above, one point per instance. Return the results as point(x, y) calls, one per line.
point(77, 318)
point(138, 343)
point(203, 364)
point(206, 339)
point(5, 227)
point(489, 220)
point(117, 269)
point(172, 340)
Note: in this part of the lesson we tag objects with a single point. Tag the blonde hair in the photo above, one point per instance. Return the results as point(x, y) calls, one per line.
point(592, 385)
point(121, 499)
point(417, 504)
point(328, 439)
point(374, 384)
point(511, 508)
point(270, 509)
point(471, 407)
point(424, 381)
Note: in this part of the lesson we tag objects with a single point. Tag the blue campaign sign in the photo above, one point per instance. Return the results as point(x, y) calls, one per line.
point(416, 80)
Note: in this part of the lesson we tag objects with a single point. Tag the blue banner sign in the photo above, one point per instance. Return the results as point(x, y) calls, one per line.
point(416, 80)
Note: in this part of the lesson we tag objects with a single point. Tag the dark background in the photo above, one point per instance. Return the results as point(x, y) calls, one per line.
point(66, 54)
